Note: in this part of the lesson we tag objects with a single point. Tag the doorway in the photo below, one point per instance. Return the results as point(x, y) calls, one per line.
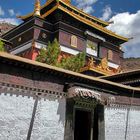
point(83, 123)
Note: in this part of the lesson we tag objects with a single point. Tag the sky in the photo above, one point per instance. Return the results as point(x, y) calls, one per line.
point(124, 13)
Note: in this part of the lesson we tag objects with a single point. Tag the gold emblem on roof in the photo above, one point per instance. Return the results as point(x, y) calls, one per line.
point(37, 8)
point(102, 67)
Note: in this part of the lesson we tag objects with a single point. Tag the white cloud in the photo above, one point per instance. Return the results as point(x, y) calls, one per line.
point(88, 9)
point(1, 11)
point(11, 12)
point(128, 25)
point(13, 21)
point(86, 5)
point(107, 12)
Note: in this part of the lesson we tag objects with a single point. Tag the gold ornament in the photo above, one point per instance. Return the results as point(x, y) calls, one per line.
point(37, 8)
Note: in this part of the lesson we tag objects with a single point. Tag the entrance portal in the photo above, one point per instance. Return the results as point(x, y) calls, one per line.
point(82, 125)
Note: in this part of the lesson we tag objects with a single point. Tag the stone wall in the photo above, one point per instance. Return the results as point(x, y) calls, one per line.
point(122, 123)
point(16, 114)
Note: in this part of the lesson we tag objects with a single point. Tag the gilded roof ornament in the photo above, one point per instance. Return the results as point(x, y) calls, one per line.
point(104, 64)
point(101, 68)
point(37, 8)
point(91, 62)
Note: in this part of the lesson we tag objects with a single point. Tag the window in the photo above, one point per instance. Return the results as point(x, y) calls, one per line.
point(91, 48)
point(73, 41)
point(92, 45)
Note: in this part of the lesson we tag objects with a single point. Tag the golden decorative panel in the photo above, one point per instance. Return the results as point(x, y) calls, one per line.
point(74, 41)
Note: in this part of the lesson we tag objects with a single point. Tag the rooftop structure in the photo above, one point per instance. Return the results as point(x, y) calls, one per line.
point(76, 32)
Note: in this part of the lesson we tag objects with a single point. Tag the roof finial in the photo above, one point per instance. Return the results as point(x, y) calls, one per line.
point(37, 8)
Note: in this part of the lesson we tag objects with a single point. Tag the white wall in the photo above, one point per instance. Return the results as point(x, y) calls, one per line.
point(15, 116)
point(69, 50)
point(50, 120)
point(112, 65)
point(116, 121)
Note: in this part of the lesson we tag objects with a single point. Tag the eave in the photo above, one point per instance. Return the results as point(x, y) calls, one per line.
point(94, 70)
point(32, 13)
point(94, 25)
point(104, 23)
point(123, 74)
point(26, 63)
point(5, 41)
point(50, 11)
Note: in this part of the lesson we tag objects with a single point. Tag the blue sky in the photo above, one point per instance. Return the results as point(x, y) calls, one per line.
point(124, 13)
point(24, 6)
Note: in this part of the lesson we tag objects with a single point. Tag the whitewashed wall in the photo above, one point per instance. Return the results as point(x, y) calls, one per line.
point(122, 123)
point(49, 121)
point(15, 116)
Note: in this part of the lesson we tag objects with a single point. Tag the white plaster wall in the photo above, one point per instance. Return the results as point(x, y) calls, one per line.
point(116, 121)
point(49, 121)
point(134, 125)
point(69, 50)
point(15, 117)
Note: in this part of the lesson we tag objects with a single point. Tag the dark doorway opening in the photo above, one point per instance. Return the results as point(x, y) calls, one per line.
point(83, 122)
point(95, 124)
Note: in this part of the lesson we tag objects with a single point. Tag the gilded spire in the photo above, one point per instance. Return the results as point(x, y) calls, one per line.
point(37, 8)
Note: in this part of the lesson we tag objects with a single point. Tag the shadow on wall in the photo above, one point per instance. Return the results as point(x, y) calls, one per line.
point(62, 110)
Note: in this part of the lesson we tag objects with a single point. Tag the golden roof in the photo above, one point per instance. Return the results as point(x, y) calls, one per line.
point(92, 24)
point(90, 17)
point(64, 2)
point(78, 15)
